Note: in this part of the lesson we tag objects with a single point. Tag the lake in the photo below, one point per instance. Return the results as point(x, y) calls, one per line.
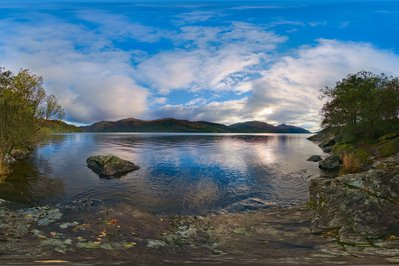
point(179, 174)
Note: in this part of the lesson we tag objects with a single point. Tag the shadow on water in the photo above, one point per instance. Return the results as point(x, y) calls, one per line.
point(30, 184)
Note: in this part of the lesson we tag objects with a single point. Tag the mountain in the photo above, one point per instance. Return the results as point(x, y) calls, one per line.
point(177, 125)
point(253, 127)
point(283, 128)
point(262, 127)
point(160, 125)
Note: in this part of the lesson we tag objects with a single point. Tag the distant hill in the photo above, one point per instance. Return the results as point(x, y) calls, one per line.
point(160, 125)
point(177, 125)
point(283, 128)
point(253, 127)
point(56, 126)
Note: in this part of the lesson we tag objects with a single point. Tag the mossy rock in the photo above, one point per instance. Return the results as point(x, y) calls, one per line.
point(108, 166)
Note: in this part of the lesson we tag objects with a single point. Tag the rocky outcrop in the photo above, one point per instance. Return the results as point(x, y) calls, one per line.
point(108, 166)
point(330, 163)
point(359, 208)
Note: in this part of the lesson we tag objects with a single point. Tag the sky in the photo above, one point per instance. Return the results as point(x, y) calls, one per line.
point(219, 61)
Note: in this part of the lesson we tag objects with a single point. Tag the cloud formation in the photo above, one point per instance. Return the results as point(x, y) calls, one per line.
point(199, 64)
point(212, 58)
point(92, 80)
point(288, 91)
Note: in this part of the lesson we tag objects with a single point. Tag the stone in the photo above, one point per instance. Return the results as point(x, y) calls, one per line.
point(314, 158)
point(66, 225)
point(153, 243)
point(8, 159)
point(327, 149)
point(327, 143)
point(110, 166)
point(330, 163)
point(20, 154)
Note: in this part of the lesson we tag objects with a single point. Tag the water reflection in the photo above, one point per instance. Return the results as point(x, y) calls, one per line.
point(180, 173)
point(29, 183)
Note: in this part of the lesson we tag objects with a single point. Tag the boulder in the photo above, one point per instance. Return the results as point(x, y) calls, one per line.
point(314, 158)
point(110, 166)
point(20, 154)
point(327, 143)
point(327, 149)
point(330, 163)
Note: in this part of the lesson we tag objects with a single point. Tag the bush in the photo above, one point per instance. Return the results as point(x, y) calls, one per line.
point(4, 169)
point(350, 164)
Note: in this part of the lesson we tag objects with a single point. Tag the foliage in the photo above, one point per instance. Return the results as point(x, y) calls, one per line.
point(362, 104)
point(24, 105)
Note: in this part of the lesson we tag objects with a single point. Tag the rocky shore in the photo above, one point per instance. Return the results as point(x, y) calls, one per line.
point(124, 234)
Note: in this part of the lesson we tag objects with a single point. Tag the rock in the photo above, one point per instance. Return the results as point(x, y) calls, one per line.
point(8, 159)
point(363, 206)
point(156, 244)
point(330, 163)
point(314, 158)
point(20, 154)
point(327, 143)
point(66, 225)
point(110, 165)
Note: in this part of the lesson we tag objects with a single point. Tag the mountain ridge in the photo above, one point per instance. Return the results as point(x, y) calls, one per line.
point(186, 126)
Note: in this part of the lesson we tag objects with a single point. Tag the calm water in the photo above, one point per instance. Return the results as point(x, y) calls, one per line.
point(180, 173)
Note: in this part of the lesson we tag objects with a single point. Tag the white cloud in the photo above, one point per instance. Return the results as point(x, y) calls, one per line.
point(216, 111)
point(197, 16)
point(214, 58)
point(121, 27)
point(290, 88)
point(91, 80)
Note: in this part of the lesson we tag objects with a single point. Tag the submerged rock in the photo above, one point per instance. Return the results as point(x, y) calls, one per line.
point(110, 166)
point(330, 163)
point(314, 158)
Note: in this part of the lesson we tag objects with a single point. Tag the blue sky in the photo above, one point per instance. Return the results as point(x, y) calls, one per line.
point(221, 61)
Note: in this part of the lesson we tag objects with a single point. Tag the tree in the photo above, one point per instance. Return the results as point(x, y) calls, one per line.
point(362, 102)
point(24, 105)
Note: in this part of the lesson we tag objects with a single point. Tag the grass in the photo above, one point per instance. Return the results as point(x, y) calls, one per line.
point(350, 164)
point(388, 147)
point(4, 169)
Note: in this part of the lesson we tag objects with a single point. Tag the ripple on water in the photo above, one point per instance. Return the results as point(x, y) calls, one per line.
point(180, 173)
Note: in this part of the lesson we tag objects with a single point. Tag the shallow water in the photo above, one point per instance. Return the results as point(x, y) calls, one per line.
point(180, 173)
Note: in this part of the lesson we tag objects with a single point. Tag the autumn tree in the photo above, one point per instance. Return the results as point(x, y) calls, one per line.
point(24, 106)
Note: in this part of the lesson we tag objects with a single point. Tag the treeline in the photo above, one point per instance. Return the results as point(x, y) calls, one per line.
point(362, 105)
point(24, 106)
